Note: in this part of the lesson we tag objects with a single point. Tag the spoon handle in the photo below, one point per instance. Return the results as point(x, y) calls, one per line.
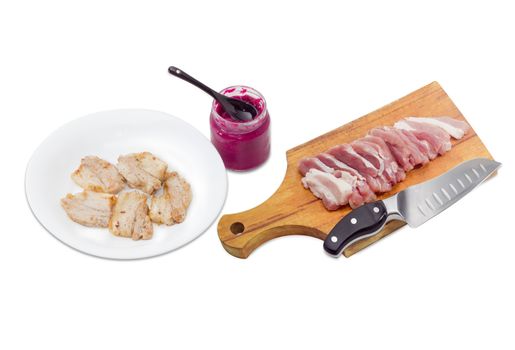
point(179, 73)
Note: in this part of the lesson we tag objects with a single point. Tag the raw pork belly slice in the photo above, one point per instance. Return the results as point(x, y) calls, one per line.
point(346, 154)
point(89, 208)
point(371, 152)
point(417, 157)
point(171, 205)
point(307, 164)
point(438, 139)
point(364, 193)
point(98, 175)
point(341, 171)
point(334, 163)
point(393, 170)
point(455, 128)
point(334, 192)
point(397, 146)
point(130, 216)
point(143, 171)
point(423, 146)
point(354, 173)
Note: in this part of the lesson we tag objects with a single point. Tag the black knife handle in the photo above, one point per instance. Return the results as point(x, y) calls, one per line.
point(360, 223)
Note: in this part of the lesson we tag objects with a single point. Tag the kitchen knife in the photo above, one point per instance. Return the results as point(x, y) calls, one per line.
point(415, 205)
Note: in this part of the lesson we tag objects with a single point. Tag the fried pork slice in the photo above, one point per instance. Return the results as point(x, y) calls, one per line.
point(130, 216)
point(170, 206)
point(143, 171)
point(95, 174)
point(89, 208)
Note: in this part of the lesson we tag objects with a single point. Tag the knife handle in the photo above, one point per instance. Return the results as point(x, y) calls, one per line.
point(360, 223)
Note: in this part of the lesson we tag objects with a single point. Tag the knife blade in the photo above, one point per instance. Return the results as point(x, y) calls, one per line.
point(414, 205)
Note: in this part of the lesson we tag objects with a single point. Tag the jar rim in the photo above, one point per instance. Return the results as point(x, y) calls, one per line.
point(249, 125)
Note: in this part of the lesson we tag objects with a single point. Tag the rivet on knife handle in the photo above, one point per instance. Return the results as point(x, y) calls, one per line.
point(360, 223)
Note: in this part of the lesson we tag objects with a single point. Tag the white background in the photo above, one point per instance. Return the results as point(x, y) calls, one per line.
point(319, 64)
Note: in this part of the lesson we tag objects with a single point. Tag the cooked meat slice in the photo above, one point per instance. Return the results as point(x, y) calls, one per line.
point(454, 127)
point(180, 192)
point(170, 206)
point(142, 171)
point(151, 164)
point(89, 208)
point(98, 175)
point(143, 228)
point(130, 216)
point(161, 209)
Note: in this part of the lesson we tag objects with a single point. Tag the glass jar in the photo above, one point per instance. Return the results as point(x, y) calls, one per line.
point(243, 145)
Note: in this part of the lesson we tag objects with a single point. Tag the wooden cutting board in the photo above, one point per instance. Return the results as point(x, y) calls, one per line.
point(293, 210)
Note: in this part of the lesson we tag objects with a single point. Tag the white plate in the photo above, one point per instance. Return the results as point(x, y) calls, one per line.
point(108, 135)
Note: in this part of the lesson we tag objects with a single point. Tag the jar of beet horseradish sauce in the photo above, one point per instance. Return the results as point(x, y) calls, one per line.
point(243, 145)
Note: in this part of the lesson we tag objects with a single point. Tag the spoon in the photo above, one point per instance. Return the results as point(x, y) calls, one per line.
point(237, 109)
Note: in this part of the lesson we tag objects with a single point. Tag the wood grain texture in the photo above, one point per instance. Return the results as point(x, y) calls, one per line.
point(293, 210)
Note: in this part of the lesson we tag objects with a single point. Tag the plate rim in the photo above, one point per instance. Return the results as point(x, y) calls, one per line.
point(56, 130)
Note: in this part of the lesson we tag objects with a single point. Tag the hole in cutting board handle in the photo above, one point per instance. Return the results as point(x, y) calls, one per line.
point(237, 228)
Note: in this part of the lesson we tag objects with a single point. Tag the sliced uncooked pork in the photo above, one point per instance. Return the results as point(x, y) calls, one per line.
point(332, 162)
point(89, 208)
point(438, 139)
point(393, 170)
point(364, 193)
point(346, 154)
point(397, 146)
point(95, 174)
point(454, 127)
point(417, 156)
point(334, 192)
point(354, 172)
point(423, 146)
point(371, 152)
point(309, 163)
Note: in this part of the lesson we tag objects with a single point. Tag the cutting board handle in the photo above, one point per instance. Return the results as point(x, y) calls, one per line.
point(280, 215)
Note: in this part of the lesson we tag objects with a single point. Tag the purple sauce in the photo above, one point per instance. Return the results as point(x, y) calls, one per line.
point(243, 145)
